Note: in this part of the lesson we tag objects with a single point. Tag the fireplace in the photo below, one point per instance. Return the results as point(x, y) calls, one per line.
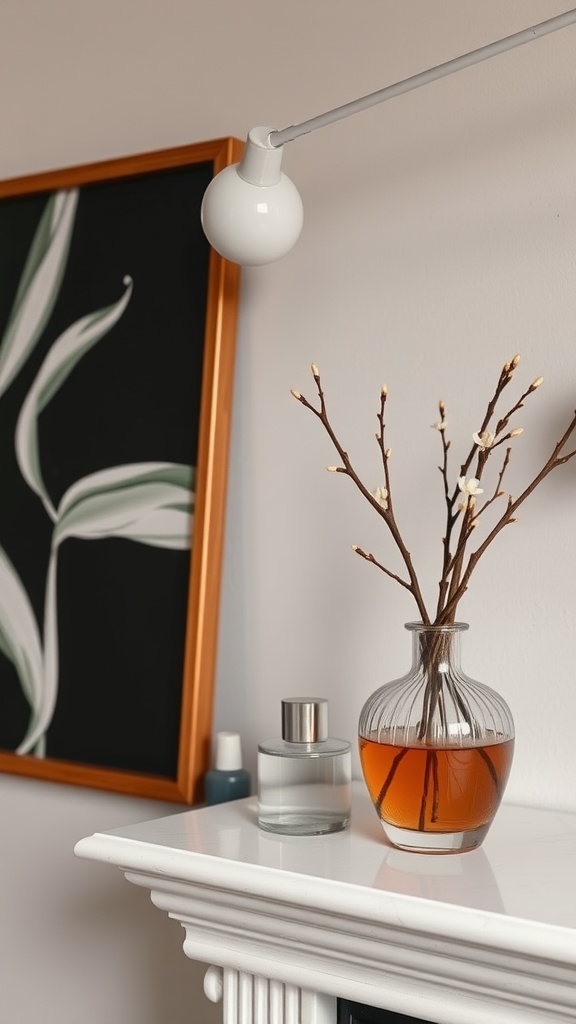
point(344, 929)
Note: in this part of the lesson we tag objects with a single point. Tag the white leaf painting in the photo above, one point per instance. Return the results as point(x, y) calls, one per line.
point(19, 635)
point(39, 284)
point(149, 502)
point(63, 356)
point(44, 707)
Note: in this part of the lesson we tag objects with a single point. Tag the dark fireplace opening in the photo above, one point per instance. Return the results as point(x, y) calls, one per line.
point(358, 1013)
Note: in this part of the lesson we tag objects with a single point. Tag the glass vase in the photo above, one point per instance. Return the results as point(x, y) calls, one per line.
point(436, 748)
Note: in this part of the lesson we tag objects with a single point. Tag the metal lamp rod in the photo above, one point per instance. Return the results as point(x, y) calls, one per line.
point(278, 138)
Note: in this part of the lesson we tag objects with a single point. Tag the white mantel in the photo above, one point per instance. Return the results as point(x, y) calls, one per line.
point(487, 937)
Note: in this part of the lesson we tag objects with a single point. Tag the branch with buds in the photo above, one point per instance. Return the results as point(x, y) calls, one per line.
point(463, 501)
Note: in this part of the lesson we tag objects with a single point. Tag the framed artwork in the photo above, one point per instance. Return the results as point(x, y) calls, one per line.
point(117, 334)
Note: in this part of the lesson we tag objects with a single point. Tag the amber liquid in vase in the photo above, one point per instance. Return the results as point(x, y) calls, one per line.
point(447, 789)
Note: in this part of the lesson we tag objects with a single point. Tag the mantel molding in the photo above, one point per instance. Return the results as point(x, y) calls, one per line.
point(442, 938)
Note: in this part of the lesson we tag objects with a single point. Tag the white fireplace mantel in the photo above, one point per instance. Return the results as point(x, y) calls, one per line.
point(291, 923)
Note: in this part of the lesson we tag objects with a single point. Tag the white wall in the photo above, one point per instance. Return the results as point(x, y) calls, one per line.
point(439, 240)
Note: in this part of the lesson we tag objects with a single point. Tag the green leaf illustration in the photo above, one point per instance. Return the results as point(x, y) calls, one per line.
point(149, 502)
point(19, 634)
point(46, 702)
point(39, 284)
point(63, 356)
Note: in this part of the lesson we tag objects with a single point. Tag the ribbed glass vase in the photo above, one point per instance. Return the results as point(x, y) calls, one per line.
point(436, 748)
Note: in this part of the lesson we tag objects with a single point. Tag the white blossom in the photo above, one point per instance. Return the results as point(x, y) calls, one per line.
point(441, 425)
point(484, 439)
point(381, 495)
point(469, 485)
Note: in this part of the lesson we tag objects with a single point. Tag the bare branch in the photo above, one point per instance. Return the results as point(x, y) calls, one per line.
point(387, 514)
point(461, 505)
point(370, 558)
point(553, 462)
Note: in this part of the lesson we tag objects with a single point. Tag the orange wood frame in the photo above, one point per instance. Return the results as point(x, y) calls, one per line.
point(211, 479)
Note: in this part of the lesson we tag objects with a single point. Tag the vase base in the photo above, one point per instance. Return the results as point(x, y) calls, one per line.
point(435, 842)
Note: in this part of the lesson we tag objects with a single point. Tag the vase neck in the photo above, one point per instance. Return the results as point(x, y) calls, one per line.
point(436, 648)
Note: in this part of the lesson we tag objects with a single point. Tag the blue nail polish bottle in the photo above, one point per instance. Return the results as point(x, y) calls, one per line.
point(228, 780)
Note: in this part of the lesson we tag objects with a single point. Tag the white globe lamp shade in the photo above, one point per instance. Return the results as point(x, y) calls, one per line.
point(251, 212)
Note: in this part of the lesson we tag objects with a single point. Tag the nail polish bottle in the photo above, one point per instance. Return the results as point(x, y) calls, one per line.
point(304, 778)
point(228, 780)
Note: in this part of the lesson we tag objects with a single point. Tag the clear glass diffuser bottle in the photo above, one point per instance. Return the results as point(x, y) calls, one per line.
point(304, 778)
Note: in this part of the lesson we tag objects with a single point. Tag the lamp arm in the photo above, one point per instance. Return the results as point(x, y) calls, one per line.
point(251, 211)
point(278, 138)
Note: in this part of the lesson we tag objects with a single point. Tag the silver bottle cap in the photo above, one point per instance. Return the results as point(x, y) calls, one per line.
point(305, 719)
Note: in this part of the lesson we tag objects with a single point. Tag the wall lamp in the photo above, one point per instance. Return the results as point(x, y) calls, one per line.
point(252, 212)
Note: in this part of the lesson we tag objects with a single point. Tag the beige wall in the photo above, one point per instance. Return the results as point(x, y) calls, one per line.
point(439, 240)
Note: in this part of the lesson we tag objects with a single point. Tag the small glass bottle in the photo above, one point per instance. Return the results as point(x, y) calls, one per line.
point(228, 780)
point(304, 779)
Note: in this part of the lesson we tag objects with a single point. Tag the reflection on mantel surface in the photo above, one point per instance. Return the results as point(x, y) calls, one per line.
point(466, 879)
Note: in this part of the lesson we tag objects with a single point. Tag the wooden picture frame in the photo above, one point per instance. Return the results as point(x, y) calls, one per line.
point(117, 336)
